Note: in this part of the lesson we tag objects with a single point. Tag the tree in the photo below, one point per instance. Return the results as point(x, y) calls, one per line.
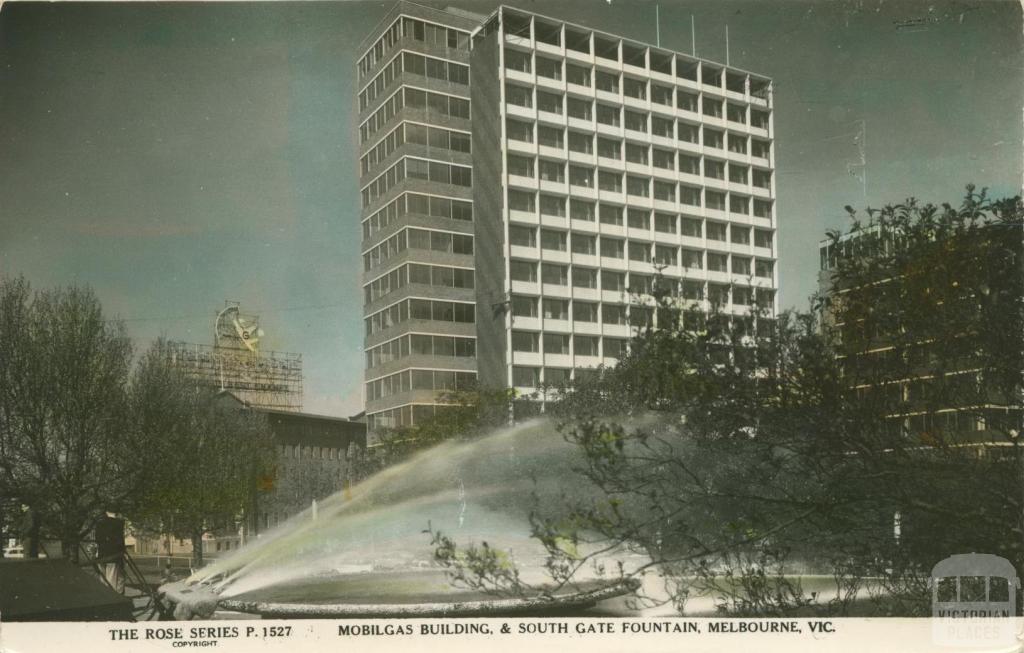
point(64, 370)
point(734, 450)
point(205, 454)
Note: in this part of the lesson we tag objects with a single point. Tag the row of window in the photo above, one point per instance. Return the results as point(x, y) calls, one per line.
point(435, 380)
point(585, 243)
point(402, 416)
point(417, 204)
point(420, 309)
point(555, 205)
point(440, 276)
point(420, 344)
point(557, 274)
point(436, 104)
point(583, 175)
point(554, 136)
point(666, 63)
point(437, 172)
point(413, 238)
point(415, 134)
point(299, 452)
point(416, 30)
point(414, 64)
point(530, 377)
point(582, 108)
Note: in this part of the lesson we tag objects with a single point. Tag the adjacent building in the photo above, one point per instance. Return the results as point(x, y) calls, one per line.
point(417, 212)
point(524, 180)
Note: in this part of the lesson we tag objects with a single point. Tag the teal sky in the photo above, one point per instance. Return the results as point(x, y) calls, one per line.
point(174, 156)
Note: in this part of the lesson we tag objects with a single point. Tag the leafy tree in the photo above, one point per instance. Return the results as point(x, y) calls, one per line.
point(64, 372)
point(736, 449)
point(205, 454)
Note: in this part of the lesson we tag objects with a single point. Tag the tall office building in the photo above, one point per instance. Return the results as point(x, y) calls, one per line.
point(416, 212)
point(598, 162)
point(513, 239)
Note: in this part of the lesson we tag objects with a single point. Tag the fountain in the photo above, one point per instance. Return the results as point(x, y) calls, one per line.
point(367, 552)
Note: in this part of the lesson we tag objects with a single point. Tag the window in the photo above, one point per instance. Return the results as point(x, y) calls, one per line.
point(759, 119)
point(584, 312)
point(662, 127)
point(693, 290)
point(522, 236)
point(638, 186)
point(691, 259)
point(579, 176)
point(525, 377)
point(520, 166)
point(519, 131)
point(607, 82)
point(741, 266)
point(613, 314)
point(580, 210)
point(638, 219)
point(607, 115)
point(550, 102)
point(763, 179)
point(525, 341)
point(515, 60)
point(686, 101)
point(714, 200)
point(713, 138)
point(612, 247)
point(584, 244)
point(524, 306)
point(665, 223)
point(609, 181)
point(763, 208)
point(736, 113)
point(737, 173)
point(610, 214)
point(763, 269)
point(614, 347)
point(555, 275)
point(665, 255)
point(586, 345)
point(553, 240)
point(613, 281)
point(689, 195)
point(714, 169)
point(549, 68)
point(608, 148)
point(519, 200)
point(688, 133)
point(634, 88)
point(636, 153)
point(523, 271)
point(519, 96)
point(691, 227)
point(661, 95)
point(556, 375)
point(640, 252)
point(716, 231)
point(552, 171)
point(584, 277)
point(552, 205)
point(556, 309)
point(664, 191)
point(762, 238)
point(737, 144)
point(636, 121)
point(760, 149)
point(583, 143)
point(550, 136)
point(556, 343)
point(665, 159)
point(739, 204)
point(577, 75)
point(712, 107)
point(579, 109)
point(718, 262)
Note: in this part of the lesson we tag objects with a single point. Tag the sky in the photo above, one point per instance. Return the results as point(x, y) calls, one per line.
point(173, 156)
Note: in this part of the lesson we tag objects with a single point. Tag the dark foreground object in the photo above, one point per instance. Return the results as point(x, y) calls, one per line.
point(56, 590)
